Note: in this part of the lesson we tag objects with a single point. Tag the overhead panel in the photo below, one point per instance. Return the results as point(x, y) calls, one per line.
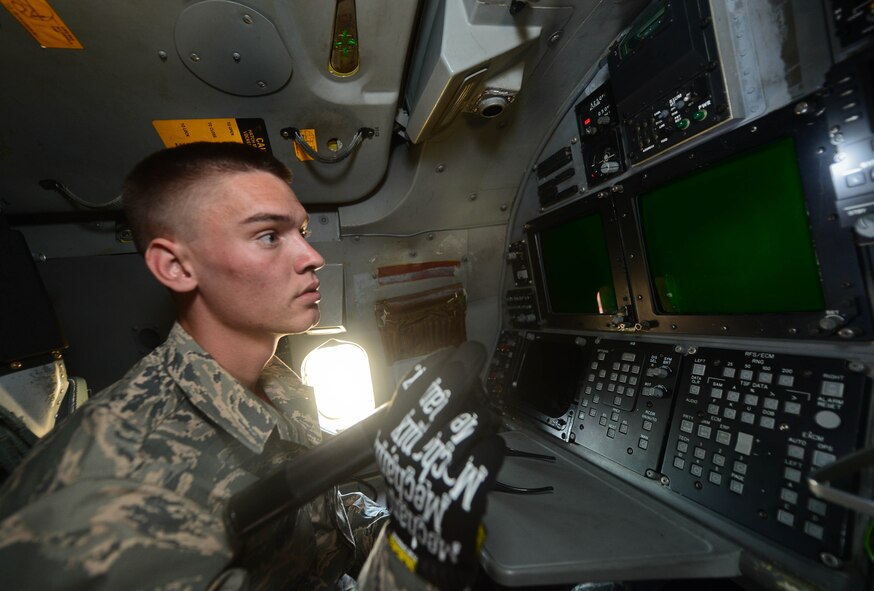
point(82, 119)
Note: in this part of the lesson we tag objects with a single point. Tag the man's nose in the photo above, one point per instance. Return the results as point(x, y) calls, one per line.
point(309, 258)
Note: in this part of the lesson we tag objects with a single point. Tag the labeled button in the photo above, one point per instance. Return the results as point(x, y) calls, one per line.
point(687, 426)
point(700, 453)
point(855, 179)
point(716, 393)
point(733, 396)
point(751, 399)
point(704, 431)
point(748, 418)
point(739, 467)
point(792, 474)
point(767, 422)
point(623, 428)
point(795, 452)
point(713, 409)
point(647, 425)
point(771, 403)
point(746, 375)
point(696, 470)
point(813, 530)
point(723, 437)
point(744, 444)
point(793, 408)
point(736, 487)
point(718, 459)
point(611, 432)
point(682, 446)
point(786, 380)
point(827, 419)
point(832, 389)
point(766, 377)
point(602, 421)
point(694, 389)
point(729, 413)
point(790, 496)
point(715, 478)
point(728, 372)
point(821, 458)
point(698, 369)
point(816, 506)
point(642, 443)
point(785, 517)
point(614, 416)
point(679, 463)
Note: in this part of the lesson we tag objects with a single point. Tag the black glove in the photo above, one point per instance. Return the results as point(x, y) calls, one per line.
point(439, 453)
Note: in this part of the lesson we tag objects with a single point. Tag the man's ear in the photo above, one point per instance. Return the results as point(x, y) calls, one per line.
point(169, 264)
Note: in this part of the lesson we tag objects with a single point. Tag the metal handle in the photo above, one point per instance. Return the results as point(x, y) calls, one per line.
point(819, 481)
point(293, 133)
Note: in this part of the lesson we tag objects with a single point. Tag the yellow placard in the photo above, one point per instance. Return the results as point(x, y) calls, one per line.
point(175, 132)
point(309, 136)
point(43, 23)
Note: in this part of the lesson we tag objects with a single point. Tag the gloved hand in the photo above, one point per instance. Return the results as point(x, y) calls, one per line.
point(439, 453)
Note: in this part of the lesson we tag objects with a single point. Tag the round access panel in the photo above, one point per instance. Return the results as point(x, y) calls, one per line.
point(232, 47)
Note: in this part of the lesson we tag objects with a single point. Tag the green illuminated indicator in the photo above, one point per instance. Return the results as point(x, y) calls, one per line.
point(682, 124)
point(700, 115)
point(346, 42)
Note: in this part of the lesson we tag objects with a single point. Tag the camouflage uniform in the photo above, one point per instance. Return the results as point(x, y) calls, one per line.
point(130, 492)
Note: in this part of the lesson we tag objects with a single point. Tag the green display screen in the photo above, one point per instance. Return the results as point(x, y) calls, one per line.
point(733, 239)
point(576, 267)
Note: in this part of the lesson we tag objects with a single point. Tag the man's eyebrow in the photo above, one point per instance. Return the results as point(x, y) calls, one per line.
point(268, 217)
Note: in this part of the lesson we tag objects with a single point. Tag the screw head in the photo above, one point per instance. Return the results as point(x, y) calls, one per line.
point(247, 18)
point(194, 57)
point(162, 55)
point(237, 57)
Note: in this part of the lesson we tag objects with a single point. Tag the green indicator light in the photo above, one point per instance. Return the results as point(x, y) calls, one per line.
point(682, 124)
point(700, 115)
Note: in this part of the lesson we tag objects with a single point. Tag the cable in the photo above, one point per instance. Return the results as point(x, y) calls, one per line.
point(294, 134)
point(53, 185)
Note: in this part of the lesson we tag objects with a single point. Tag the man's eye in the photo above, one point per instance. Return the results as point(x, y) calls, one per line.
point(270, 238)
point(305, 232)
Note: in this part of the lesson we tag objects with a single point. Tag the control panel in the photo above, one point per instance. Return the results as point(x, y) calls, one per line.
point(689, 110)
point(667, 78)
point(555, 175)
point(749, 427)
point(624, 405)
point(846, 101)
point(521, 302)
point(735, 431)
point(600, 138)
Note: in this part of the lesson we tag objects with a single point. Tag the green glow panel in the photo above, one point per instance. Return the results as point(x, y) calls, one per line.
point(576, 266)
point(733, 239)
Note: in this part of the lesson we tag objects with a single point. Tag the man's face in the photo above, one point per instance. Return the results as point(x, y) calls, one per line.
point(255, 270)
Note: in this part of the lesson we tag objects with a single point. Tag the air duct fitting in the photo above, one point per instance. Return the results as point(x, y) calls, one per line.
point(492, 106)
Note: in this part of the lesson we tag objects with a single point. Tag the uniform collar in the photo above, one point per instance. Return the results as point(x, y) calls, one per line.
point(218, 395)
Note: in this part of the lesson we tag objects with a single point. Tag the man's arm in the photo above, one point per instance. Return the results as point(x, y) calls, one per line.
point(439, 453)
point(109, 534)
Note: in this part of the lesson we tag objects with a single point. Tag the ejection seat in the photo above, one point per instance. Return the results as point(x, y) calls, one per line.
point(35, 390)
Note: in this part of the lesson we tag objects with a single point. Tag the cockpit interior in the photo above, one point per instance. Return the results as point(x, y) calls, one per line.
point(657, 216)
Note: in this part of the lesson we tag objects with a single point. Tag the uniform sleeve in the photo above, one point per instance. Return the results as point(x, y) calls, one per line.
point(383, 571)
point(106, 534)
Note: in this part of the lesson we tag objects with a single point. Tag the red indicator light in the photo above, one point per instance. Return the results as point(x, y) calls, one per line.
point(587, 121)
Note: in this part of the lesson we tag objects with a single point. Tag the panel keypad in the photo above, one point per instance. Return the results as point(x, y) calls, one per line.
point(749, 427)
point(625, 400)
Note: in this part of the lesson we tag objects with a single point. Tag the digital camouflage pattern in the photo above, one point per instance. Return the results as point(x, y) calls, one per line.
point(130, 492)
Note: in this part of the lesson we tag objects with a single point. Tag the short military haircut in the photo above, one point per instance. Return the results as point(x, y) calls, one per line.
point(158, 189)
